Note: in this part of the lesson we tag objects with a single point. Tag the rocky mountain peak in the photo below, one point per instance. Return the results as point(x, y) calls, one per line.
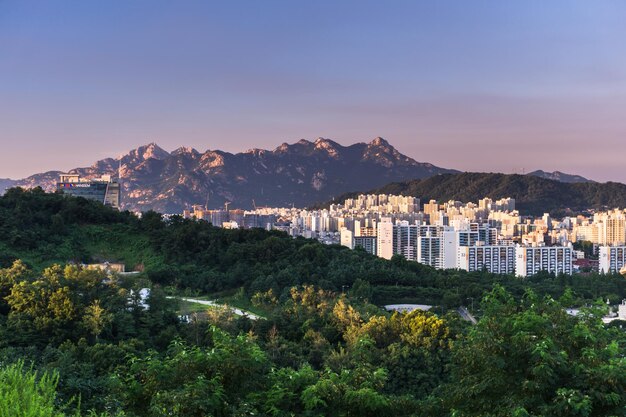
point(323, 142)
point(380, 150)
point(145, 152)
point(256, 151)
point(284, 147)
point(301, 173)
point(379, 142)
point(185, 150)
point(328, 146)
point(212, 159)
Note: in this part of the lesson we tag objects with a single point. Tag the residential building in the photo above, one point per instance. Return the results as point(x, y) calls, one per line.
point(529, 260)
point(347, 238)
point(384, 238)
point(368, 243)
point(405, 240)
point(611, 228)
point(430, 246)
point(612, 259)
point(497, 259)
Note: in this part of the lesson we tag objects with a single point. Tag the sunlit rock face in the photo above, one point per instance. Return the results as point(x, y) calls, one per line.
point(301, 173)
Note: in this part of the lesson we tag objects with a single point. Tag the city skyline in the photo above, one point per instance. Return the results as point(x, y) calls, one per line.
point(482, 87)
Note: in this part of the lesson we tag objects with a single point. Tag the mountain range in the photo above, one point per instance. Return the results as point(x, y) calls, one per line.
point(301, 174)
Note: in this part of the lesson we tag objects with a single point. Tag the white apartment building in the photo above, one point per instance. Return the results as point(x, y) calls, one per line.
point(529, 260)
point(429, 250)
point(427, 244)
point(346, 238)
point(384, 238)
point(405, 240)
point(449, 249)
point(497, 259)
point(430, 245)
point(612, 259)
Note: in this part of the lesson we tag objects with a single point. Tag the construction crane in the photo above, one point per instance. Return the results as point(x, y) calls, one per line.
point(257, 207)
point(226, 204)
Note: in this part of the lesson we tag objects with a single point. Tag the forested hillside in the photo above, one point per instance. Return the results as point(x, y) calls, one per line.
point(42, 229)
point(533, 195)
point(76, 342)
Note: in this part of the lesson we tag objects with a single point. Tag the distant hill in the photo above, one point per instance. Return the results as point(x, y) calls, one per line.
point(533, 195)
point(301, 173)
point(6, 183)
point(559, 176)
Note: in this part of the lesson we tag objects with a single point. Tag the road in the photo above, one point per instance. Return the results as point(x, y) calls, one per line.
point(214, 304)
point(466, 315)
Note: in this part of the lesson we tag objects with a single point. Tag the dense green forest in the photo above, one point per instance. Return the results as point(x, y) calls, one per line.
point(74, 341)
point(533, 195)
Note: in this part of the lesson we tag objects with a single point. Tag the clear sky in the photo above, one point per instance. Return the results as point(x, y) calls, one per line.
point(473, 85)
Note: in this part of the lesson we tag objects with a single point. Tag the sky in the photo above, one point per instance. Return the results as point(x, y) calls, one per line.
point(489, 86)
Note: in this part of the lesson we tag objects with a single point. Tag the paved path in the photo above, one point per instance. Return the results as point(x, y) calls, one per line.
point(466, 315)
point(407, 308)
point(214, 304)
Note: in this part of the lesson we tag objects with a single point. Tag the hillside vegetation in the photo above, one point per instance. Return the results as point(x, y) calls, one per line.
point(533, 195)
point(76, 342)
point(43, 229)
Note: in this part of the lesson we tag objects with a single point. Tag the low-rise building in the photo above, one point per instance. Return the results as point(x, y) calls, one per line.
point(103, 189)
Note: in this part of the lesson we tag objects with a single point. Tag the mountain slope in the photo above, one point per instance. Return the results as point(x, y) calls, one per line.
point(300, 173)
point(559, 176)
point(533, 195)
point(6, 183)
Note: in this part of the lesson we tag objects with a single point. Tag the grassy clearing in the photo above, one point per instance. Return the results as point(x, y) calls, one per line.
point(235, 299)
point(243, 304)
point(187, 307)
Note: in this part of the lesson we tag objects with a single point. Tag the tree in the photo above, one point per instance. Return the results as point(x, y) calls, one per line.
point(24, 393)
point(96, 318)
point(531, 358)
point(9, 277)
point(348, 393)
point(194, 381)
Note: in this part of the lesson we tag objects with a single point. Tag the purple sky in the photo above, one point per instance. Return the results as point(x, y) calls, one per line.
point(478, 86)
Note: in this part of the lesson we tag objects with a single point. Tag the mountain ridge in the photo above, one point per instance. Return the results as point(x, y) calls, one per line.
point(6, 183)
point(533, 195)
point(300, 173)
